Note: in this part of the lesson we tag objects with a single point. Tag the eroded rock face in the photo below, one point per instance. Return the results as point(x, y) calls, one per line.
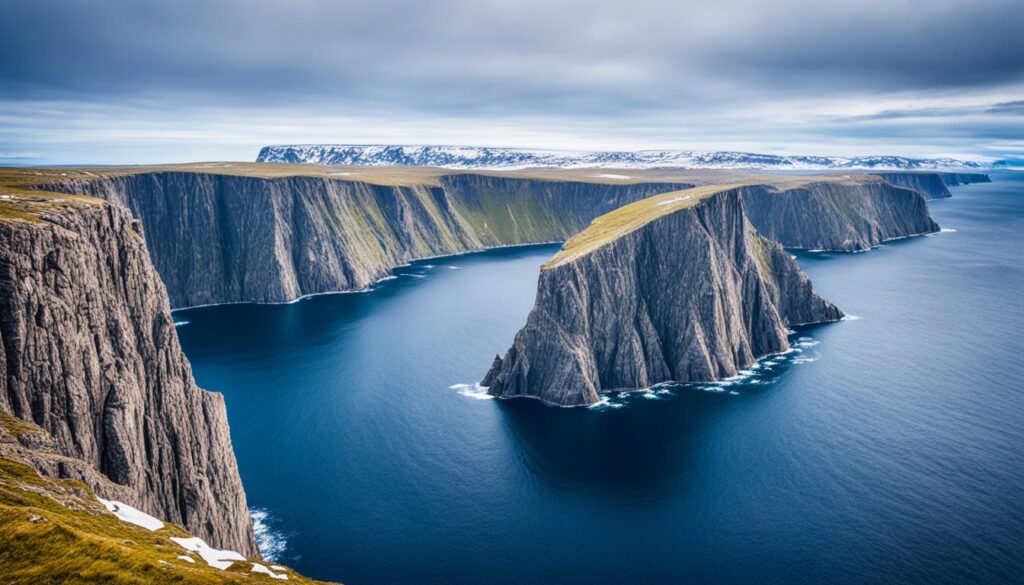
point(957, 179)
point(221, 238)
point(930, 185)
point(695, 295)
point(91, 356)
point(839, 215)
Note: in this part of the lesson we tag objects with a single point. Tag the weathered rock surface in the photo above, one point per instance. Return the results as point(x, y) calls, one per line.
point(91, 356)
point(957, 179)
point(933, 185)
point(694, 294)
point(218, 238)
point(842, 215)
point(930, 185)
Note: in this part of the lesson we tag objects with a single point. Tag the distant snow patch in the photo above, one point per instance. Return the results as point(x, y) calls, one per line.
point(673, 200)
point(612, 176)
point(132, 515)
point(218, 559)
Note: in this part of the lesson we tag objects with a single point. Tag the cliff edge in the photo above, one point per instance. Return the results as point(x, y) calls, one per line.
point(676, 287)
point(90, 355)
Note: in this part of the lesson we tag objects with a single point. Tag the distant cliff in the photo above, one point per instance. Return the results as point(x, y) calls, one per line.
point(957, 179)
point(933, 185)
point(91, 356)
point(838, 215)
point(218, 238)
point(676, 287)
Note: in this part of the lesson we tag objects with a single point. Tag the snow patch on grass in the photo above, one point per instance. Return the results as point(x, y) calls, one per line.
point(218, 559)
point(132, 515)
point(258, 568)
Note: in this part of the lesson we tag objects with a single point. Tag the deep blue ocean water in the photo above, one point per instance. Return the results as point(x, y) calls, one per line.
point(889, 449)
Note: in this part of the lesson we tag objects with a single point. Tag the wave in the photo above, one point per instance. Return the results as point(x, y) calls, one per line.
point(180, 323)
point(475, 391)
point(764, 372)
point(271, 543)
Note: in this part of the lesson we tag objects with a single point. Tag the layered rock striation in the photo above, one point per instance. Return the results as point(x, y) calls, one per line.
point(847, 214)
point(218, 238)
point(679, 287)
point(90, 355)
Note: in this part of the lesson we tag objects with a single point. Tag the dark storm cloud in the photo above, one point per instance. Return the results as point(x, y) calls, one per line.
point(593, 55)
point(666, 70)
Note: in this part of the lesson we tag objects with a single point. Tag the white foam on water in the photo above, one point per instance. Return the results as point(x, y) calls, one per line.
point(947, 231)
point(475, 391)
point(850, 318)
point(270, 542)
point(454, 267)
point(180, 323)
point(392, 277)
point(415, 275)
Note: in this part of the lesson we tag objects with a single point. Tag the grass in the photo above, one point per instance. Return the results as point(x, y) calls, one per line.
point(628, 218)
point(56, 532)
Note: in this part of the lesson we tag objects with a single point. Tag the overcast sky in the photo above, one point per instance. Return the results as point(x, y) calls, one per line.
point(139, 81)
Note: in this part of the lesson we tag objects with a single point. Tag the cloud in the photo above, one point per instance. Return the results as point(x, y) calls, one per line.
point(652, 73)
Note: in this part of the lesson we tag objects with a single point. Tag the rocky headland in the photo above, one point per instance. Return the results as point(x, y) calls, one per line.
point(678, 287)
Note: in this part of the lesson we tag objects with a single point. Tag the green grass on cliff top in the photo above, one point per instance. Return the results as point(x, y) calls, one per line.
point(628, 218)
point(56, 532)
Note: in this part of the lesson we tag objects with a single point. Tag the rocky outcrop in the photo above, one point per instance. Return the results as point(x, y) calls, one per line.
point(91, 356)
point(843, 215)
point(218, 238)
point(677, 287)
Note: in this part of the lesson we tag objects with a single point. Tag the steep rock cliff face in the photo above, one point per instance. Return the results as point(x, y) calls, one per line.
point(91, 356)
point(838, 215)
point(222, 238)
point(694, 294)
point(931, 185)
point(957, 179)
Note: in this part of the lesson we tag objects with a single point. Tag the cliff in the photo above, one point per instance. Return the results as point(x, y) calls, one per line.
point(930, 185)
point(957, 179)
point(218, 238)
point(91, 356)
point(676, 287)
point(53, 528)
point(847, 215)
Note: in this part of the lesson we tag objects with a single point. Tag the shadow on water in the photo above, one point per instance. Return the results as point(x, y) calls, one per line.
point(646, 445)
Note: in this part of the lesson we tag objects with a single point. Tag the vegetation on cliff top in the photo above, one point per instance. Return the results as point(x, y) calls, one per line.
point(628, 218)
point(56, 531)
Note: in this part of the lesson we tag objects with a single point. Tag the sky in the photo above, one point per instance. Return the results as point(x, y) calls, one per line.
point(151, 81)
